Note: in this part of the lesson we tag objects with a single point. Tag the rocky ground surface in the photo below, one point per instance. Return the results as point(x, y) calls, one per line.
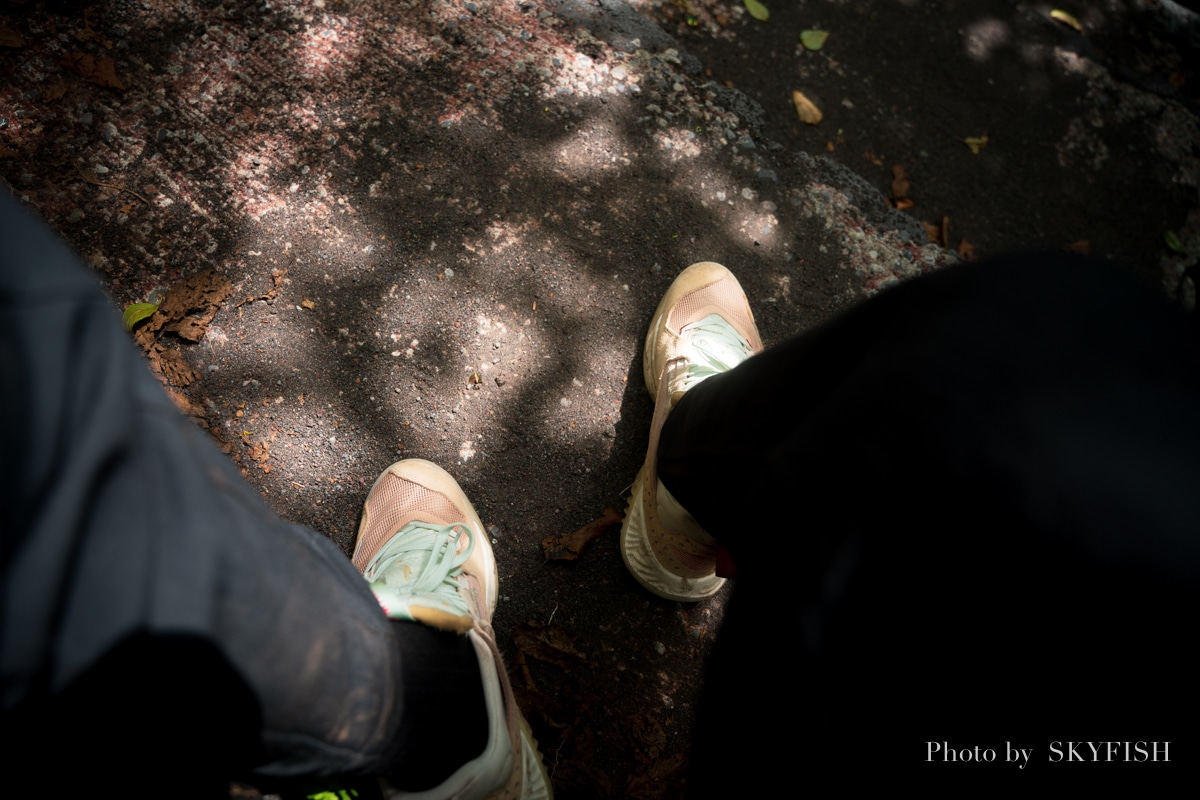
point(445, 226)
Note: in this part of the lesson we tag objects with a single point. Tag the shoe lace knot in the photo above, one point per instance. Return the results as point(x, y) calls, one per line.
point(424, 559)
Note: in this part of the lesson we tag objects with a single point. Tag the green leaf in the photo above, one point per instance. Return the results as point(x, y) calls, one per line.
point(1174, 243)
point(813, 40)
point(136, 312)
point(757, 10)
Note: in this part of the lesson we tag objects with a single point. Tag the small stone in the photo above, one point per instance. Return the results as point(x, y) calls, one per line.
point(75, 215)
point(85, 118)
point(749, 193)
point(449, 273)
point(101, 169)
point(660, 648)
point(768, 175)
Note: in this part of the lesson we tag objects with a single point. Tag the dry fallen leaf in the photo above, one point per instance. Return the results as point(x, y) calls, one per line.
point(10, 38)
point(976, 143)
point(965, 250)
point(549, 643)
point(938, 234)
point(1082, 247)
point(54, 92)
point(932, 232)
point(1066, 18)
point(7, 152)
point(569, 546)
point(806, 109)
point(309, 304)
point(100, 71)
point(900, 182)
point(277, 277)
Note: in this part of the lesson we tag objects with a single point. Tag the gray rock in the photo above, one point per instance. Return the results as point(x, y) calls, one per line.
point(869, 200)
point(615, 22)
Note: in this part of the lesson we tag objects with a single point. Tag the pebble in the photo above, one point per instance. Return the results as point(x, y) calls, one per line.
point(660, 648)
point(768, 175)
point(749, 193)
point(745, 142)
point(85, 118)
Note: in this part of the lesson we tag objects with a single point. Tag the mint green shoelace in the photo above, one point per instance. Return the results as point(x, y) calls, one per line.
point(718, 348)
point(421, 559)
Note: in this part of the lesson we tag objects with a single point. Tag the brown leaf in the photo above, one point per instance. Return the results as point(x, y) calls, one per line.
point(903, 204)
point(900, 182)
point(309, 304)
point(569, 546)
point(6, 152)
point(54, 92)
point(648, 737)
point(277, 276)
point(932, 232)
point(172, 366)
point(10, 38)
point(100, 71)
point(184, 404)
point(965, 250)
point(1082, 247)
point(663, 778)
point(548, 643)
point(806, 109)
point(191, 305)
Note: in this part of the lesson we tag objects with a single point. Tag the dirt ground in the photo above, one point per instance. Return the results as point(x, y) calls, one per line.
point(446, 225)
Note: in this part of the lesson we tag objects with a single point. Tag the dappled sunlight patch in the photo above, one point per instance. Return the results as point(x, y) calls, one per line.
point(592, 150)
point(984, 37)
point(334, 43)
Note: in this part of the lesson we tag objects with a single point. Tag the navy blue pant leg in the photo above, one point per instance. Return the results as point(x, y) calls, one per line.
point(151, 605)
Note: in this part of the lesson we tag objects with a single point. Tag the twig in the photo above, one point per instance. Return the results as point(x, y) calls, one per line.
point(95, 182)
